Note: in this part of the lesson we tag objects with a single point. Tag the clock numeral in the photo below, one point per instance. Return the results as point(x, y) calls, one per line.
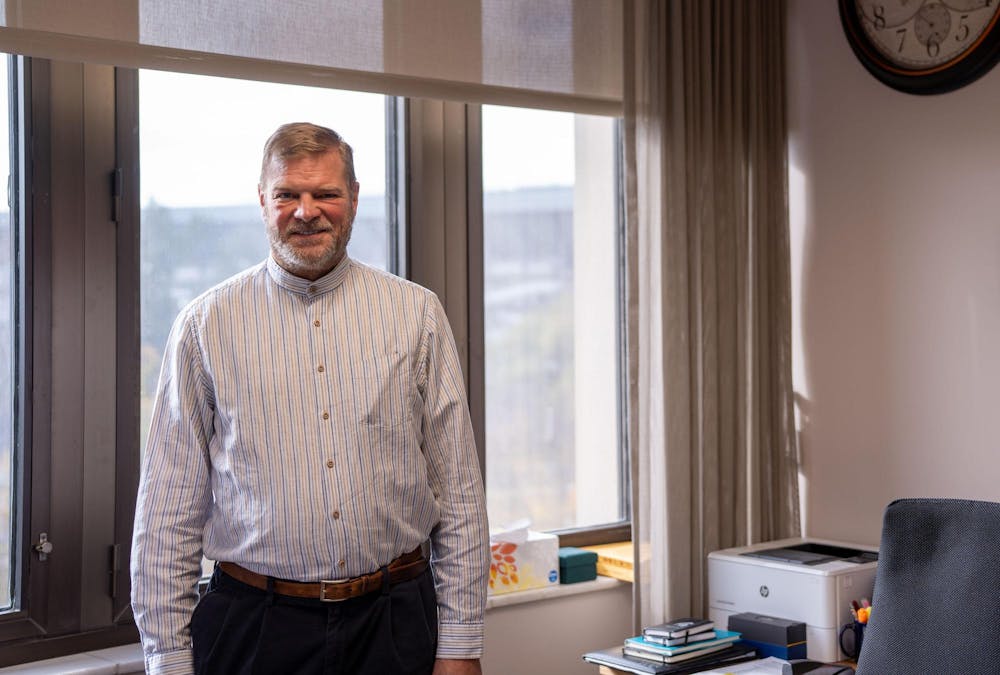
point(933, 48)
point(901, 32)
point(963, 29)
point(878, 12)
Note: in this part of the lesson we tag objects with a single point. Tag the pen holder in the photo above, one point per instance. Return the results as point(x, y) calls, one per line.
point(851, 636)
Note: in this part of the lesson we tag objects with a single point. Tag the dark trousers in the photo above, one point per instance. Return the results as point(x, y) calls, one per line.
point(237, 629)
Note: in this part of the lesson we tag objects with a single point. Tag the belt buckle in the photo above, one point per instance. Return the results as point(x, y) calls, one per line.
point(324, 584)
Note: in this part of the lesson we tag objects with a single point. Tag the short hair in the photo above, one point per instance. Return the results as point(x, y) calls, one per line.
point(299, 139)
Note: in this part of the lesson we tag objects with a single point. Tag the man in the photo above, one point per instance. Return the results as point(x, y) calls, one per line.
point(310, 432)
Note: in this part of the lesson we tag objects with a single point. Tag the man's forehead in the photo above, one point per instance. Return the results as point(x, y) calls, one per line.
point(279, 166)
point(283, 162)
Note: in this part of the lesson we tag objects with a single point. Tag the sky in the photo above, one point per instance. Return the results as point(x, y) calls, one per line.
point(201, 137)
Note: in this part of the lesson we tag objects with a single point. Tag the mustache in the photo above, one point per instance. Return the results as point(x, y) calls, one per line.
point(315, 225)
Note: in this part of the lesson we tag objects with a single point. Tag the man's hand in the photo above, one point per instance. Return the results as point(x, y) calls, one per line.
point(457, 667)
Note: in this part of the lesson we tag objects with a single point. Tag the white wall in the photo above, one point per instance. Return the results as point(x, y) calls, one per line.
point(896, 258)
point(549, 637)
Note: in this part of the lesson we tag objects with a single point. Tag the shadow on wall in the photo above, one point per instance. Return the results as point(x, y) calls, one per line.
point(896, 284)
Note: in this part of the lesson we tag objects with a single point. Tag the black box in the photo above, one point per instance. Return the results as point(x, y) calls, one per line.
point(770, 629)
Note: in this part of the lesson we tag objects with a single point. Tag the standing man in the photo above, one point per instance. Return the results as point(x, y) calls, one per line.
point(310, 433)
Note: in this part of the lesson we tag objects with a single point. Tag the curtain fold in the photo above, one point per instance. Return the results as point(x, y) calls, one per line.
point(714, 457)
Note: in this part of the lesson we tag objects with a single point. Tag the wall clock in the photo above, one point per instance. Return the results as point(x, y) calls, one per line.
point(924, 46)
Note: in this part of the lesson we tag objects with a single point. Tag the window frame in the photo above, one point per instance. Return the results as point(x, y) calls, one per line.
point(31, 499)
point(127, 211)
point(65, 601)
point(81, 120)
point(444, 158)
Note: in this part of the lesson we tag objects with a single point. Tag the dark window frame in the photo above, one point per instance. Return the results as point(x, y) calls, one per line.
point(51, 619)
point(59, 107)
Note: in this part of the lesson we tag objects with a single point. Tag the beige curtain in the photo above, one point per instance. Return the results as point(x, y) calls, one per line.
point(714, 458)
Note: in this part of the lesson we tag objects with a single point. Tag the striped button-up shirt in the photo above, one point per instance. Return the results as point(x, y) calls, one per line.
point(308, 430)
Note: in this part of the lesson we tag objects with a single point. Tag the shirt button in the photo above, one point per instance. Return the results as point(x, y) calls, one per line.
point(321, 369)
point(316, 323)
point(312, 289)
point(326, 415)
point(336, 515)
point(329, 463)
point(342, 563)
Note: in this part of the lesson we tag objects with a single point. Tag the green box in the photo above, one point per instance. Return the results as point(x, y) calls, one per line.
point(576, 565)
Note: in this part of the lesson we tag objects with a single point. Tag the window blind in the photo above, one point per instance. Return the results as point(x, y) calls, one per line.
point(562, 54)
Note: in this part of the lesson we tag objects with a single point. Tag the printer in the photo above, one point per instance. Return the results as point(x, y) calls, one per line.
point(802, 579)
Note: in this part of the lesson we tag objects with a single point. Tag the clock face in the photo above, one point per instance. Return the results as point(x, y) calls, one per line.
point(924, 46)
point(918, 35)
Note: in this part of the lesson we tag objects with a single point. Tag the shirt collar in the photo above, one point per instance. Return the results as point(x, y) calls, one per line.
point(329, 281)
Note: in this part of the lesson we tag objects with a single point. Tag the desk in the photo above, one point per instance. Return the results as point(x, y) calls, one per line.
point(608, 670)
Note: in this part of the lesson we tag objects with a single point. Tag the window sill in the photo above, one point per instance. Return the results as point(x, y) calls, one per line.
point(113, 661)
point(128, 658)
point(555, 591)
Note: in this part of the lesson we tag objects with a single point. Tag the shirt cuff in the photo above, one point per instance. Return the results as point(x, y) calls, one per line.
point(460, 641)
point(180, 662)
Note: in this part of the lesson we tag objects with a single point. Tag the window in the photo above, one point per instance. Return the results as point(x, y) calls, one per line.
point(550, 313)
point(200, 165)
point(60, 339)
point(9, 283)
point(101, 267)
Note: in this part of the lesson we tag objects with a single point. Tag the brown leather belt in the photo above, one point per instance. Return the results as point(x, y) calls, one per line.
point(405, 567)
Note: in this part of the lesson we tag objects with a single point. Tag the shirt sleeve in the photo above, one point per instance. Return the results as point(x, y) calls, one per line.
point(460, 542)
point(172, 505)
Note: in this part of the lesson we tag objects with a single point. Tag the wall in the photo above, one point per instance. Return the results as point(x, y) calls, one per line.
point(896, 261)
point(550, 636)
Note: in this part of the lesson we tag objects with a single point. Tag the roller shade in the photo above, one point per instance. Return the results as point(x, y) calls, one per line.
point(564, 54)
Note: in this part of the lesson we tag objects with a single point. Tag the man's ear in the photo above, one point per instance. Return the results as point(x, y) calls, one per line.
point(260, 194)
point(355, 188)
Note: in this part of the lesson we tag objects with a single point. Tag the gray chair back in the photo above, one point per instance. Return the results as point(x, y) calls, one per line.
point(936, 604)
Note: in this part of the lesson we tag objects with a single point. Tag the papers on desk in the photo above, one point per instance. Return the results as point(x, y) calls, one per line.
point(769, 666)
point(614, 658)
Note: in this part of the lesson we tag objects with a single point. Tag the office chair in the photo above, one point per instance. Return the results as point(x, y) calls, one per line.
point(936, 604)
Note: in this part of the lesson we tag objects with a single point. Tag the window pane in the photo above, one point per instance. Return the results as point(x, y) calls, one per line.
point(8, 346)
point(551, 318)
point(199, 167)
point(201, 140)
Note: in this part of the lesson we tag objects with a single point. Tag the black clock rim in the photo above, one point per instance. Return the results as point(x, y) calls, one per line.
point(963, 71)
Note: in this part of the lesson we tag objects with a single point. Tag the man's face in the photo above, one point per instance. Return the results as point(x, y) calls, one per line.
point(308, 208)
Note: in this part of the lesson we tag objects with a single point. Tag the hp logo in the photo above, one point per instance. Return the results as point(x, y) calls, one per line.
point(764, 591)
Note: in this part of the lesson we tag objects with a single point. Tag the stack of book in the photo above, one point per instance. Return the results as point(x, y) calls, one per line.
point(680, 646)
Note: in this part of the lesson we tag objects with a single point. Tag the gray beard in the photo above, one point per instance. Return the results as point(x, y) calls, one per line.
point(292, 258)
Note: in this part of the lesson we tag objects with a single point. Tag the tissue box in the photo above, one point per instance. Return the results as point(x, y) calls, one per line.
point(533, 563)
point(576, 565)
